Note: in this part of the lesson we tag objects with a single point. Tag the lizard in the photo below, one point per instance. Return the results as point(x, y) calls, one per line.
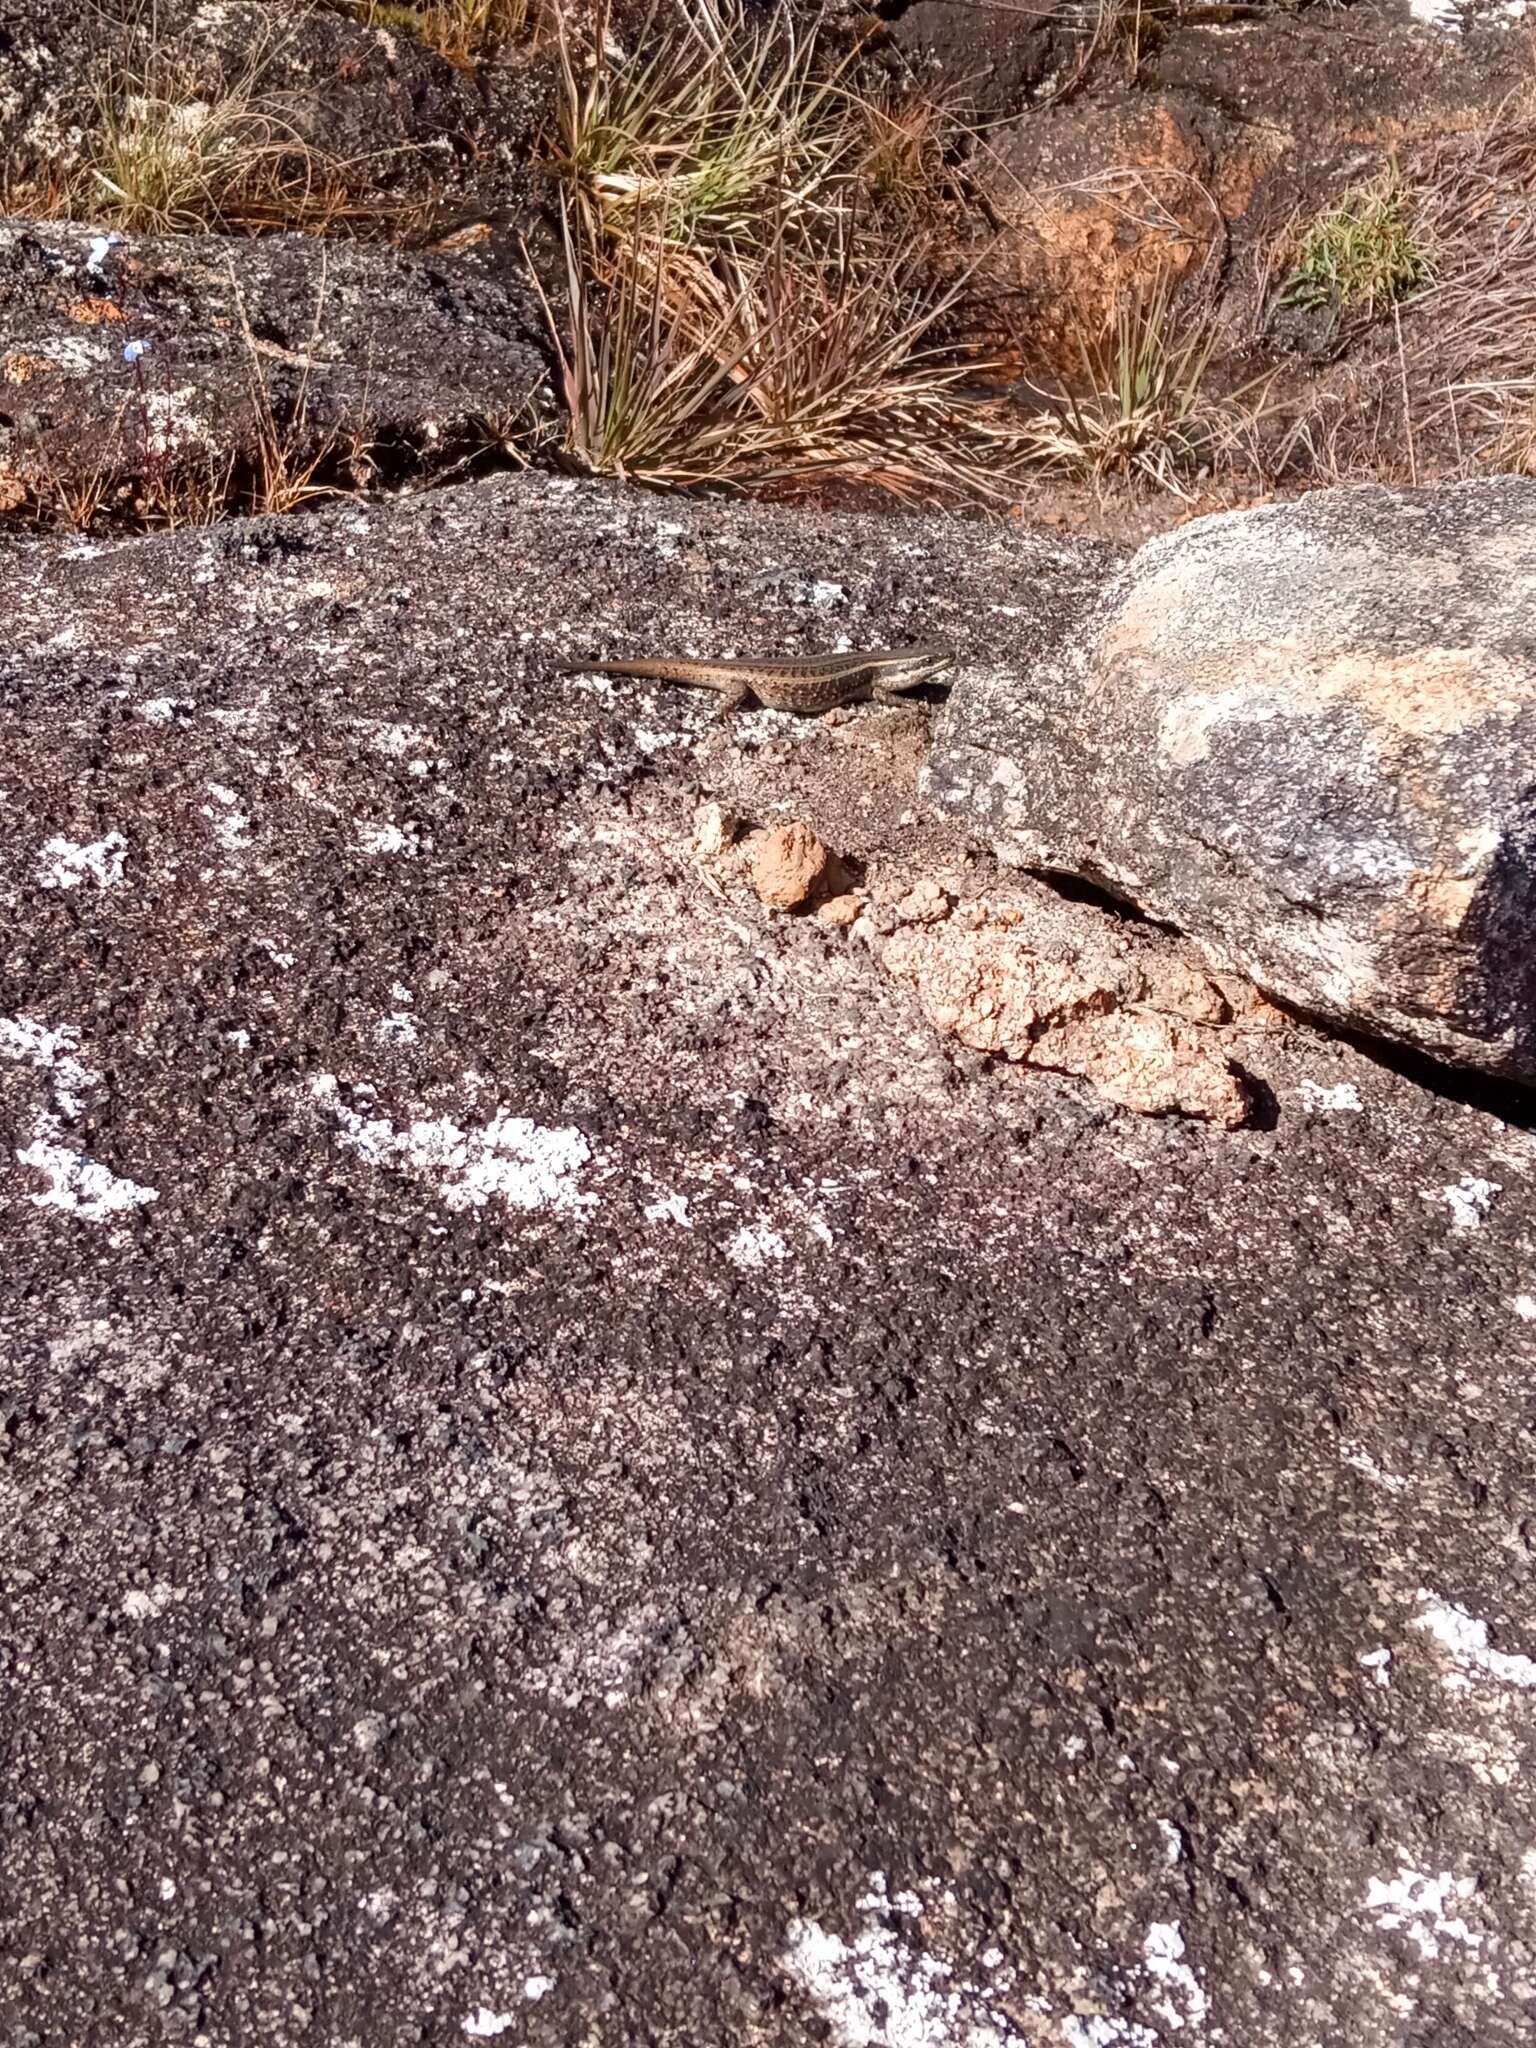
point(806, 684)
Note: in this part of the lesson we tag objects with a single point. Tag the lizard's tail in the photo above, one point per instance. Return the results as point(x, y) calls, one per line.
point(652, 671)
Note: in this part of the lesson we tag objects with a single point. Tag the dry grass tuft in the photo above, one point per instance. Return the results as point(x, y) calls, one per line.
point(760, 373)
point(165, 149)
point(466, 32)
point(745, 305)
point(1469, 352)
point(164, 155)
point(1145, 408)
point(725, 124)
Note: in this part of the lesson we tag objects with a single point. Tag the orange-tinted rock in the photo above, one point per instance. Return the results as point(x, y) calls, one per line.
point(981, 982)
point(791, 867)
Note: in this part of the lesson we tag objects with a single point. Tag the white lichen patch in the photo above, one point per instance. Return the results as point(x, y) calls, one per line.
point(1362, 1461)
point(1417, 1904)
point(231, 826)
point(656, 739)
point(395, 740)
point(1524, 1306)
point(1102, 2030)
point(1379, 1663)
point(1465, 1640)
point(1344, 1095)
point(1469, 1201)
point(72, 355)
point(670, 1209)
point(51, 1052)
point(172, 420)
point(390, 839)
point(508, 1159)
point(66, 863)
point(396, 1029)
point(99, 249)
point(1183, 2003)
point(883, 1990)
point(81, 1185)
point(485, 2025)
point(755, 1244)
point(1185, 728)
point(144, 1603)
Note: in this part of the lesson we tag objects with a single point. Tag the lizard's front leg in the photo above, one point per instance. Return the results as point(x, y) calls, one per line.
point(732, 697)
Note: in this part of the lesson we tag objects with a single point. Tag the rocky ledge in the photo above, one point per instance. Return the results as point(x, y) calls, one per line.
point(586, 1459)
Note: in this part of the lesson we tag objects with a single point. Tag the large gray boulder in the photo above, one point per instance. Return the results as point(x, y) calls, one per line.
point(1305, 734)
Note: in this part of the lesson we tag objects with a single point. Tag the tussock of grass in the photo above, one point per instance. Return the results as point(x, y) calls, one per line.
point(744, 307)
point(1364, 254)
point(720, 126)
point(162, 160)
point(164, 156)
point(760, 374)
point(1470, 359)
point(466, 32)
point(1145, 408)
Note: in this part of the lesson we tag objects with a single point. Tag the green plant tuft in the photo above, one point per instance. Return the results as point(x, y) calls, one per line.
point(1365, 253)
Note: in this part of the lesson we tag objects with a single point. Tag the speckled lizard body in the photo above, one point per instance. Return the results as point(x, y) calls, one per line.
point(806, 685)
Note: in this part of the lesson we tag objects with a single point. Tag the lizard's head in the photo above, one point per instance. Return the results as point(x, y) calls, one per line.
point(907, 668)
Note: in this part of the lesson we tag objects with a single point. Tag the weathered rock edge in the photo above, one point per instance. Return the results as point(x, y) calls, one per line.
point(1305, 734)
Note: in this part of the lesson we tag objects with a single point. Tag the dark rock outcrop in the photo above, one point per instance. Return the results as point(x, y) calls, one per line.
point(1306, 734)
point(153, 359)
point(379, 110)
